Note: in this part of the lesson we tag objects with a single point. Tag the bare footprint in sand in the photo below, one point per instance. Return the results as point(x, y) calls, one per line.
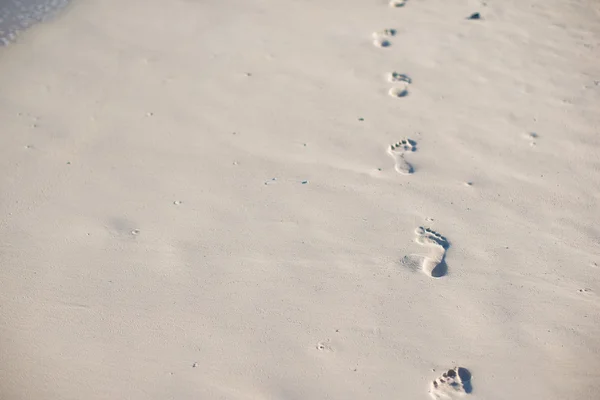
point(382, 38)
point(398, 77)
point(434, 263)
point(453, 383)
point(402, 80)
point(399, 91)
point(397, 151)
point(397, 3)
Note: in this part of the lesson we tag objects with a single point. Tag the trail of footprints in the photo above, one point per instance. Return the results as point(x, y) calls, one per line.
point(456, 381)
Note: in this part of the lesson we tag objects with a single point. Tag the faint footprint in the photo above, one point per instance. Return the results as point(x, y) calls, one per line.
point(454, 382)
point(532, 136)
point(434, 263)
point(401, 79)
point(381, 42)
point(382, 38)
point(397, 3)
point(399, 91)
point(385, 33)
point(398, 77)
point(397, 151)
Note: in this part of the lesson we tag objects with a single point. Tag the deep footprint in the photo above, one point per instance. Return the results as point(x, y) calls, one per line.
point(434, 263)
point(453, 383)
point(397, 151)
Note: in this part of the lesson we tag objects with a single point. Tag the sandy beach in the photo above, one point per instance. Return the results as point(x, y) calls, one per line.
point(294, 200)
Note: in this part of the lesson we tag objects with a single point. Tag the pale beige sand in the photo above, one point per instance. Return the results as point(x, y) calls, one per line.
point(254, 288)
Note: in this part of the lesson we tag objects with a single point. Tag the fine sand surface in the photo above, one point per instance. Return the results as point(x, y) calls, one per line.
point(302, 200)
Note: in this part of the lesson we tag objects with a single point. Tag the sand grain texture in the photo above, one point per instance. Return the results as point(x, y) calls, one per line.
point(142, 255)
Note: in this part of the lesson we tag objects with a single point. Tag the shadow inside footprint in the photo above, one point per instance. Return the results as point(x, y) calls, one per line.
point(397, 3)
point(414, 262)
point(465, 378)
point(440, 270)
point(398, 92)
point(380, 42)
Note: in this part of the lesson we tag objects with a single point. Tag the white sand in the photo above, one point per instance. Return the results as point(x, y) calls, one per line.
point(254, 288)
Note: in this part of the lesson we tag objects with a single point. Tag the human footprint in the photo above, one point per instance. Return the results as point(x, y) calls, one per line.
point(397, 3)
point(453, 383)
point(434, 263)
point(382, 38)
point(402, 80)
point(397, 151)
